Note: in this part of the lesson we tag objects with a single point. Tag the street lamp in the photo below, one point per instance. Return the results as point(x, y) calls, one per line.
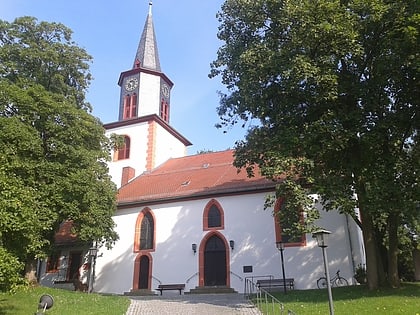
point(93, 252)
point(280, 247)
point(321, 238)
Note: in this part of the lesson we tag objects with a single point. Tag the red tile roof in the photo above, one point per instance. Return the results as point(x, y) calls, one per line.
point(191, 177)
point(65, 235)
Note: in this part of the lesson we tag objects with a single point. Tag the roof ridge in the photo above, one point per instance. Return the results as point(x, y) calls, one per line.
point(190, 167)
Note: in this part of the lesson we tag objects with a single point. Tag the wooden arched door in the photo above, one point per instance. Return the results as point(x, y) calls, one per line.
point(215, 262)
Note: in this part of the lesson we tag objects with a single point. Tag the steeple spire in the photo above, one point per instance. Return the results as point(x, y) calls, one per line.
point(147, 52)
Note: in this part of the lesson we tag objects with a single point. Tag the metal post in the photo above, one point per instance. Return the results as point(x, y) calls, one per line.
point(282, 268)
point(327, 275)
point(90, 275)
point(92, 261)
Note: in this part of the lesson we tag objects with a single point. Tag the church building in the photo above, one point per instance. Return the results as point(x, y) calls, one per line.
point(193, 219)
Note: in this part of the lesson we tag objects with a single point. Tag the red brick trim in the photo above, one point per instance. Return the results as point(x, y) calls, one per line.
point(151, 145)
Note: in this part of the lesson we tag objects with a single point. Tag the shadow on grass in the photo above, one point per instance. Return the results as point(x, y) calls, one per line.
point(6, 307)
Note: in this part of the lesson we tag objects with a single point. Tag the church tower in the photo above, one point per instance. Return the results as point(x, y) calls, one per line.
point(144, 114)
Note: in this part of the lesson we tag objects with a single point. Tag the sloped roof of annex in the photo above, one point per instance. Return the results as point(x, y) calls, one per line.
point(192, 177)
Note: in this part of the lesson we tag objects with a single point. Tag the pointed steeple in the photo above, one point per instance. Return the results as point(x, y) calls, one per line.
point(147, 52)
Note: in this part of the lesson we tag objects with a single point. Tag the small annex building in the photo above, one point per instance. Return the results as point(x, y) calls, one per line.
point(191, 219)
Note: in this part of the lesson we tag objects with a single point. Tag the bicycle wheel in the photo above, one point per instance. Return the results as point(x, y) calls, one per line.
point(322, 283)
point(340, 282)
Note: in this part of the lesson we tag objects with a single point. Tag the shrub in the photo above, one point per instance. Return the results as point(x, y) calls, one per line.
point(10, 271)
point(360, 274)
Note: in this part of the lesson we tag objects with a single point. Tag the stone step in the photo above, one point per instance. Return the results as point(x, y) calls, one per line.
point(140, 292)
point(211, 289)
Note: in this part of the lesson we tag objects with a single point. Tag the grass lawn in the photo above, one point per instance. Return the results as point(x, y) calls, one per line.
point(25, 302)
point(354, 300)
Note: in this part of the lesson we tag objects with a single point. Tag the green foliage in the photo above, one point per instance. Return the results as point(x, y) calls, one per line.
point(10, 271)
point(360, 274)
point(54, 152)
point(333, 88)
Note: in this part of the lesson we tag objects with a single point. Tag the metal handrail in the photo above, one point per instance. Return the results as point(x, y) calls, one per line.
point(188, 280)
point(238, 276)
point(160, 282)
point(264, 300)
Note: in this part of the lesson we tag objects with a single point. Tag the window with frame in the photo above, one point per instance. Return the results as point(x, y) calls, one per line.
point(145, 231)
point(164, 111)
point(280, 227)
point(124, 151)
point(53, 262)
point(130, 106)
point(213, 216)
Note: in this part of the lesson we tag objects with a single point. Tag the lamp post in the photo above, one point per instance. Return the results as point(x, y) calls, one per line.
point(93, 251)
point(321, 238)
point(280, 247)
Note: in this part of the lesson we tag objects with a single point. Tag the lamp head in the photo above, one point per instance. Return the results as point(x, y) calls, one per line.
point(321, 237)
point(93, 251)
point(280, 245)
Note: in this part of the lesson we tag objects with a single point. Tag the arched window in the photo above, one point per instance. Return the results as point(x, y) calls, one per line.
point(147, 232)
point(213, 216)
point(124, 151)
point(282, 236)
point(144, 238)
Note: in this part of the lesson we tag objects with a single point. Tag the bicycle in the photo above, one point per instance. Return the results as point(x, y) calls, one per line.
point(336, 281)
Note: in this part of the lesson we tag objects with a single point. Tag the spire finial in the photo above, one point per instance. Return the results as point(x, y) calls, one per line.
point(150, 7)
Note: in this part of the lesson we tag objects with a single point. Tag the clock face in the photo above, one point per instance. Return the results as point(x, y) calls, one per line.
point(165, 90)
point(131, 84)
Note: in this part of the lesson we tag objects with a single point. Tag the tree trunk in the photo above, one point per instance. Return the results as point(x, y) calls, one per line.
point(370, 250)
point(393, 277)
point(382, 257)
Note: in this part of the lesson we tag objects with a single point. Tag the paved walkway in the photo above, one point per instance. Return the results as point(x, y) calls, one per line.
point(197, 304)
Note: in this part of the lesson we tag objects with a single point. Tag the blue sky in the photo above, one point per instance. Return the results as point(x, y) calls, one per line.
point(110, 31)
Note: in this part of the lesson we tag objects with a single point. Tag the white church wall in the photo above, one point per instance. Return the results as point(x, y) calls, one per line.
point(149, 93)
point(114, 268)
point(169, 146)
point(138, 150)
point(178, 225)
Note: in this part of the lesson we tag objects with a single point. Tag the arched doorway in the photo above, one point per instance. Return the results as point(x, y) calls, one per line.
point(214, 261)
point(142, 272)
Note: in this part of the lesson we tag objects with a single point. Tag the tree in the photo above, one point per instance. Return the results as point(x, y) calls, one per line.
point(54, 152)
point(333, 87)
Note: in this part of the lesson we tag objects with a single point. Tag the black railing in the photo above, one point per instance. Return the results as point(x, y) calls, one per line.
point(262, 299)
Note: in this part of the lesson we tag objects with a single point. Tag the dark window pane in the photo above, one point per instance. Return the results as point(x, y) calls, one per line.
point(147, 232)
point(214, 217)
